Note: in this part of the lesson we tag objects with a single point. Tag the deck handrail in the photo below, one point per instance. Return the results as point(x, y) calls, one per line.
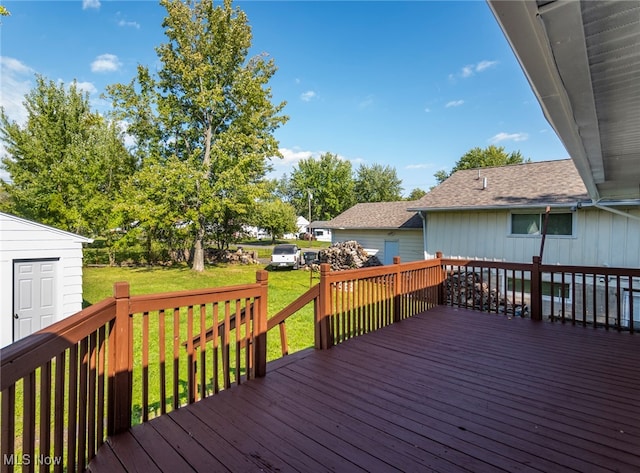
point(586, 295)
point(76, 377)
point(356, 301)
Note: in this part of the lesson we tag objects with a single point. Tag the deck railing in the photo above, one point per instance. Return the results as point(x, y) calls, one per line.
point(129, 358)
point(120, 361)
point(594, 296)
point(354, 302)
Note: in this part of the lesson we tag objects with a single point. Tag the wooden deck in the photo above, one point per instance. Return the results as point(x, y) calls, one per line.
point(448, 390)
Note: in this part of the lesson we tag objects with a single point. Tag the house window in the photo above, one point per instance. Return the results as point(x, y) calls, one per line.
point(557, 290)
point(532, 224)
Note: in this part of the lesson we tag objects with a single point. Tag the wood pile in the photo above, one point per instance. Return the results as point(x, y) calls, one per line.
point(347, 255)
point(467, 290)
point(238, 256)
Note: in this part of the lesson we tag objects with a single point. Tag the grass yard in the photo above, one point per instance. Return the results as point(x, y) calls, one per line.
point(284, 287)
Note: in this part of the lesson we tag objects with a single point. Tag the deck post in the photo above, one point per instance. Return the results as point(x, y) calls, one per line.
point(121, 363)
point(397, 290)
point(260, 327)
point(536, 289)
point(443, 278)
point(323, 315)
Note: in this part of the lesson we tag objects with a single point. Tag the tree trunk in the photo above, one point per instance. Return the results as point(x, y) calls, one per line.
point(198, 252)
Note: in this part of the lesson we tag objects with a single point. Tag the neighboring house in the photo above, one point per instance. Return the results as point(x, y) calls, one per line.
point(320, 229)
point(384, 229)
point(40, 274)
point(497, 214)
point(302, 225)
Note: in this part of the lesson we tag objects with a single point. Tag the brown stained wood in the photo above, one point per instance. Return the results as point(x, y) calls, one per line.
point(7, 432)
point(198, 457)
point(203, 352)
point(91, 413)
point(158, 449)
point(238, 333)
point(176, 358)
point(21, 357)
point(214, 443)
point(130, 454)
point(45, 410)
point(59, 417)
point(162, 350)
point(106, 461)
point(225, 343)
point(145, 367)
point(216, 347)
point(72, 408)
point(424, 395)
point(83, 404)
point(191, 375)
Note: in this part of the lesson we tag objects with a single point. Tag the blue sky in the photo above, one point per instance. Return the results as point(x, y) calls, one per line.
point(413, 85)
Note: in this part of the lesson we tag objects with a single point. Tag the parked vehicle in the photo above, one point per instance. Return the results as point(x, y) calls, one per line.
point(286, 256)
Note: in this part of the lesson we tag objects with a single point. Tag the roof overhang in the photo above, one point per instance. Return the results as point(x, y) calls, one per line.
point(582, 60)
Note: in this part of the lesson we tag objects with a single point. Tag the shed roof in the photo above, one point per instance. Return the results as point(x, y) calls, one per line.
point(6, 218)
point(378, 215)
point(554, 183)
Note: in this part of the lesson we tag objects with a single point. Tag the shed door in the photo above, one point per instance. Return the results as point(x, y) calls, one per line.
point(391, 249)
point(34, 296)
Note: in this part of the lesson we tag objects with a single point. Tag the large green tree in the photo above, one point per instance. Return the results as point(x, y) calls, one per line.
point(209, 108)
point(275, 216)
point(481, 158)
point(327, 181)
point(66, 163)
point(377, 183)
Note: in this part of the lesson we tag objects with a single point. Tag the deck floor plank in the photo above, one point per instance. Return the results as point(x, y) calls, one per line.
point(448, 390)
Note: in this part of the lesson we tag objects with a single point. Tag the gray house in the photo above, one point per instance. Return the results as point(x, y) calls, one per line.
point(498, 213)
point(385, 229)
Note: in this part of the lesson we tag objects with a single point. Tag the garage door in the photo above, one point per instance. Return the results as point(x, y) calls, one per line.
point(34, 296)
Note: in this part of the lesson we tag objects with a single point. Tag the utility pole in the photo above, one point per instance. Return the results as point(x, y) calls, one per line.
point(309, 226)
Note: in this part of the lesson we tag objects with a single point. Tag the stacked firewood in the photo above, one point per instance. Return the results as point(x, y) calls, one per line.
point(347, 255)
point(238, 256)
point(468, 290)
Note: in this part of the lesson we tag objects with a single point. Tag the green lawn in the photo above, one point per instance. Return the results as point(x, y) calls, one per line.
point(284, 287)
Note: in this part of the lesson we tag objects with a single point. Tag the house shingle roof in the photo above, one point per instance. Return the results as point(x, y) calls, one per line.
point(378, 215)
point(555, 183)
point(519, 185)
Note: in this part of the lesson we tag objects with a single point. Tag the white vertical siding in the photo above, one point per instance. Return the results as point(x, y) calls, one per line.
point(600, 238)
point(24, 240)
point(410, 241)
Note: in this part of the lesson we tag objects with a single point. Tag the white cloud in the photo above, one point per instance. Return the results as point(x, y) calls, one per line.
point(15, 82)
point(467, 71)
point(427, 109)
point(307, 96)
point(86, 4)
point(132, 24)
point(106, 63)
point(454, 103)
point(484, 65)
point(418, 166)
point(292, 156)
point(86, 87)
point(472, 69)
point(508, 137)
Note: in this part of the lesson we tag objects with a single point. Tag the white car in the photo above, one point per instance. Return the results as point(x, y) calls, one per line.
point(286, 256)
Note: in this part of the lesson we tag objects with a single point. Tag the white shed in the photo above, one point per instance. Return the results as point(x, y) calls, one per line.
point(40, 276)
